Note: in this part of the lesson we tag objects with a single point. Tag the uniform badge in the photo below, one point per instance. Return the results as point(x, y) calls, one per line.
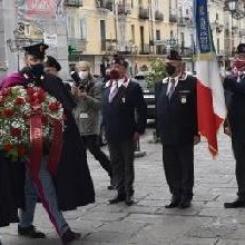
point(183, 100)
point(83, 116)
point(123, 100)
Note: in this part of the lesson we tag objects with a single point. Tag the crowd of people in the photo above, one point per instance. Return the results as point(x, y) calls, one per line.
point(119, 105)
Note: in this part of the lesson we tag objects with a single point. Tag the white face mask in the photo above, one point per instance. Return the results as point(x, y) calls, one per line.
point(83, 74)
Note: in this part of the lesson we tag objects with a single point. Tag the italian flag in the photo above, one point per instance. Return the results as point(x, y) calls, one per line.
point(210, 94)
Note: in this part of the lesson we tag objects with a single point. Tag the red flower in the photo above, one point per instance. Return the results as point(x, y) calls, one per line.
point(8, 147)
point(19, 101)
point(44, 120)
point(1, 99)
point(30, 91)
point(15, 132)
point(6, 92)
point(54, 106)
point(21, 150)
point(8, 113)
point(41, 95)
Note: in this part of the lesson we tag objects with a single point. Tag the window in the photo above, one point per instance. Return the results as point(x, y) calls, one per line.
point(171, 34)
point(217, 16)
point(218, 45)
point(132, 3)
point(71, 26)
point(133, 33)
point(182, 38)
point(158, 35)
point(103, 35)
point(83, 29)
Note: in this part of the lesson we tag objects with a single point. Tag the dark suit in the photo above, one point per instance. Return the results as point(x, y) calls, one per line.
point(124, 116)
point(177, 125)
point(236, 119)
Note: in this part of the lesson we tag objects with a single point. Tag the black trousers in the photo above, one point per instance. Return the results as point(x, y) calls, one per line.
point(91, 142)
point(239, 154)
point(178, 162)
point(122, 160)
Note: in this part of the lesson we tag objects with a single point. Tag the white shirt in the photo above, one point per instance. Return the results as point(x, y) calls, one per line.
point(117, 83)
point(177, 79)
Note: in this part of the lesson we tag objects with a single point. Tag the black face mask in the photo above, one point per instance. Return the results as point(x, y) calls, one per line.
point(170, 69)
point(37, 70)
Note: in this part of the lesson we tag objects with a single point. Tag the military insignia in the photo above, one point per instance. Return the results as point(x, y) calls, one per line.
point(183, 99)
point(41, 48)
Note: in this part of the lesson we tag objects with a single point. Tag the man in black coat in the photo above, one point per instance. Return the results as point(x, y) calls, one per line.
point(124, 115)
point(177, 124)
point(235, 85)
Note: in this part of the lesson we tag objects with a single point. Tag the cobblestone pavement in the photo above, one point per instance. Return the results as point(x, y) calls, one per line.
point(148, 222)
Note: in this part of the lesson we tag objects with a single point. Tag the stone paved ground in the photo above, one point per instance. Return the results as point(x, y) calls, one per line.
point(148, 222)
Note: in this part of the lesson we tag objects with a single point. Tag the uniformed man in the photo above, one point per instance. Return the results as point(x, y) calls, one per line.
point(73, 183)
point(235, 85)
point(177, 123)
point(124, 116)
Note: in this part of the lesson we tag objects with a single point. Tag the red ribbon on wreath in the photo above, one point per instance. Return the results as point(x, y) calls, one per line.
point(36, 140)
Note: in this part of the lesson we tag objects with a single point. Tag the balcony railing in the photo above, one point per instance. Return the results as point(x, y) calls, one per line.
point(145, 49)
point(159, 16)
point(105, 4)
point(77, 45)
point(242, 32)
point(143, 13)
point(185, 21)
point(219, 28)
point(124, 9)
point(73, 3)
point(186, 51)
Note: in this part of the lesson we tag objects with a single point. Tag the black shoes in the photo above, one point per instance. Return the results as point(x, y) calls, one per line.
point(174, 202)
point(117, 199)
point(30, 232)
point(129, 201)
point(185, 203)
point(181, 203)
point(70, 236)
point(236, 204)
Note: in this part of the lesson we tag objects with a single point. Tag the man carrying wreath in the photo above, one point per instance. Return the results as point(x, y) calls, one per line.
point(67, 185)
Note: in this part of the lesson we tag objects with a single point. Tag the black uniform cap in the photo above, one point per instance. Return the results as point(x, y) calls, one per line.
point(52, 62)
point(174, 55)
point(241, 48)
point(120, 61)
point(37, 50)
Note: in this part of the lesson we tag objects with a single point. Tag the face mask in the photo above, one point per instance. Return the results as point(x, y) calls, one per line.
point(114, 74)
point(83, 74)
point(170, 69)
point(37, 70)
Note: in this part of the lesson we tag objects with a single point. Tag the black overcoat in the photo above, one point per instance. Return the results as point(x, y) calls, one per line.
point(177, 117)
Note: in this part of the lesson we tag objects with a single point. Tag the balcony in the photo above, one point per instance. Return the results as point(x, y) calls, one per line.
point(109, 45)
point(173, 18)
point(185, 21)
point(242, 32)
point(159, 16)
point(124, 9)
point(143, 13)
point(186, 52)
point(128, 48)
point(73, 3)
point(105, 4)
point(219, 28)
point(77, 45)
point(145, 49)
